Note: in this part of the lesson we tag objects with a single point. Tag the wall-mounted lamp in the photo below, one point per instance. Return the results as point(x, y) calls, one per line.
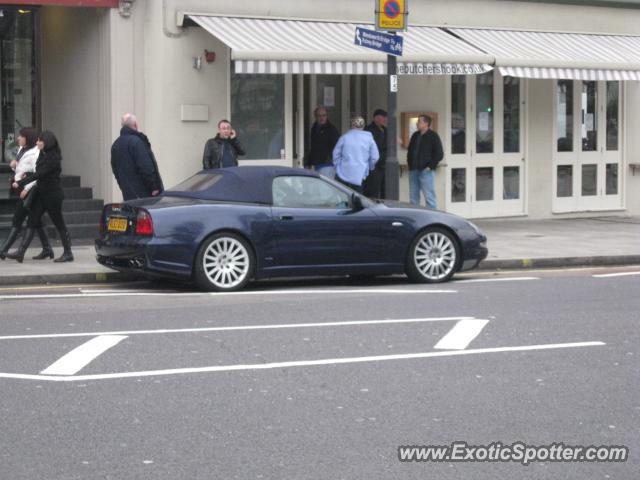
point(197, 62)
point(210, 56)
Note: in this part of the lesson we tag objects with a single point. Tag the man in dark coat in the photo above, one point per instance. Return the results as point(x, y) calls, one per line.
point(374, 184)
point(424, 153)
point(222, 150)
point(133, 163)
point(322, 140)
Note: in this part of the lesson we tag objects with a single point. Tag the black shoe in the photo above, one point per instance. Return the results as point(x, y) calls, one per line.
point(17, 256)
point(13, 234)
point(67, 256)
point(47, 251)
point(44, 254)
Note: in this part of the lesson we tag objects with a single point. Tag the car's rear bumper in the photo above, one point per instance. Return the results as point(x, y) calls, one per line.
point(133, 257)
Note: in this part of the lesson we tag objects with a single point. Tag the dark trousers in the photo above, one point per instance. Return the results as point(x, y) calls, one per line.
point(374, 184)
point(352, 186)
point(50, 203)
point(20, 214)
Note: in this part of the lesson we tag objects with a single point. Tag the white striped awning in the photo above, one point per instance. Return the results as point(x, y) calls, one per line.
point(260, 45)
point(574, 56)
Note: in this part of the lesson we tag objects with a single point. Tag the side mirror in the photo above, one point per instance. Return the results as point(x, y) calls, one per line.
point(356, 202)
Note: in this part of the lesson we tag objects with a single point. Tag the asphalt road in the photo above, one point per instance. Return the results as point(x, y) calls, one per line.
point(319, 379)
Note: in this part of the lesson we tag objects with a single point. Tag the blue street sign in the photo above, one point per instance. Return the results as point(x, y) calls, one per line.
point(384, 42)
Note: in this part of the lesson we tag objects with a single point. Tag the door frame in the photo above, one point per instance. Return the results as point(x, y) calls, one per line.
point(498, 160)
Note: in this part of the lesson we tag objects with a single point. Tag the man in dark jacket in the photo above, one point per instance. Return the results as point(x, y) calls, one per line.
point(374, 184)
point(133, 163)
point(424, 154)
point(322, 140)
point(222, 150)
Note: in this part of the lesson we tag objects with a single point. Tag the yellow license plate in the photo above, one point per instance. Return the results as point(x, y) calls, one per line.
point(117, 224)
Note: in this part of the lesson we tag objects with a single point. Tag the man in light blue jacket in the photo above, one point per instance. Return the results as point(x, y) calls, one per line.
point(355, 155)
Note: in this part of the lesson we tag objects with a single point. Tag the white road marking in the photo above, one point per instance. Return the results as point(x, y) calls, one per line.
point(303, 363)
point(395, 291)
point(621, 274)
point(462, 334)
point(239, 327)
point(81, 356)
point(505, 279)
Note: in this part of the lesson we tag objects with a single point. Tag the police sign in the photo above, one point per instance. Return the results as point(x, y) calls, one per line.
point(391, 15)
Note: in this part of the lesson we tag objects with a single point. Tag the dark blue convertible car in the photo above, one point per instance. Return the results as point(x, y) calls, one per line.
point(225, 227)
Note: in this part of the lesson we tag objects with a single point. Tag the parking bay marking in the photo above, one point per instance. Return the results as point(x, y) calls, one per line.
point(455, 341)
point(81, 356)
point(304, 363)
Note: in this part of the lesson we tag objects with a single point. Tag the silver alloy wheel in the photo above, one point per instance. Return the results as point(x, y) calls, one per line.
point(226, 262)
point(435, 256)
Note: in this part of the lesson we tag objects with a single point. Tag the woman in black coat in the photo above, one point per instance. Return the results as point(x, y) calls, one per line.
point(25, 162)
point(49, 196)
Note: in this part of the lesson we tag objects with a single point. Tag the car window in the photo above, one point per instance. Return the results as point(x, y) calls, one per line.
point(307, 192)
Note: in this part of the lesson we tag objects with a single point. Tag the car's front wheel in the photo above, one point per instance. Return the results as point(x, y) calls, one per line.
point(433, 256)
point(225, 262)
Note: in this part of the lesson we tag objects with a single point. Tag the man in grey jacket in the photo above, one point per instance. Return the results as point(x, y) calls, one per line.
point(222, 150)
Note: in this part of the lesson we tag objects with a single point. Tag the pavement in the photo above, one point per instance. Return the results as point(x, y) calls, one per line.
point(513, 244)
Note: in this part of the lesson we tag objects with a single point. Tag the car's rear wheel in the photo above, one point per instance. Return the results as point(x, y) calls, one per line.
point(225, 262)
point(433, 256)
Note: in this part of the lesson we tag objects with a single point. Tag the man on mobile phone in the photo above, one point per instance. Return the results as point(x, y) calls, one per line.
point(222, 150)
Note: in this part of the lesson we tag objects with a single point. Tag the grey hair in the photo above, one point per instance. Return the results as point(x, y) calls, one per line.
point(129, 120)
point(357, 122)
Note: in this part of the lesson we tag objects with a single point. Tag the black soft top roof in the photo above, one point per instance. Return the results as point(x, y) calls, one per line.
point(251, 184)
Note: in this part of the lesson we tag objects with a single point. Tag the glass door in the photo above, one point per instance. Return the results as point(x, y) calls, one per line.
point(486, 164)
point(18, 79)
point(587, 158)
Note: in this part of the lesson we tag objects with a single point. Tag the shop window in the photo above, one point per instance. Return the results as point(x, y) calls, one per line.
point(612, 178)
point(458, 114)
point(564, 119)
point(511, 115)
point(484, 117)
point(484, 183)
point(613, 97)
point(511, 183)
point(564, 179)
point(589, 180)
point(17, 75)
point(458, 184)
point(257, 114)
point(589, 99)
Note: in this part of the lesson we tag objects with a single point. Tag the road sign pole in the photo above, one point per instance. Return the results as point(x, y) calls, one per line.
point(392, 168)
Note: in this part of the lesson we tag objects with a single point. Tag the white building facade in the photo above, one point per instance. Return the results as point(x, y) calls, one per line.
point(537, 104)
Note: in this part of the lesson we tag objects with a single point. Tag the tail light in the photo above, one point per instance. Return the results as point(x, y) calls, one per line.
point(144, 224)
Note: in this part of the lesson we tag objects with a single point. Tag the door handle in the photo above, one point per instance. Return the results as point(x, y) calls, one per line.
point(286, 217)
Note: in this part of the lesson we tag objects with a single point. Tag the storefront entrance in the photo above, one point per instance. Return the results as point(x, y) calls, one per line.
point(587, 146)
point(486, 164)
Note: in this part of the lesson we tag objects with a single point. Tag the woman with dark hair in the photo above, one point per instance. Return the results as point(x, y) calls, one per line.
point(49, 196)
point(24, 163)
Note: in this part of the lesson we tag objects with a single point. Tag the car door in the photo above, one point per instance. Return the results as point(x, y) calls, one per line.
point(316, 225)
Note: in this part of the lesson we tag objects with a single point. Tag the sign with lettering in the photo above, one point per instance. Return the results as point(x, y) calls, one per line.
point(391, 15)
point(384, 42)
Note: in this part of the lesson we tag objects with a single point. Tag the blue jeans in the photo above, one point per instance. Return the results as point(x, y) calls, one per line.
point(328, 171)
point(422, 180)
